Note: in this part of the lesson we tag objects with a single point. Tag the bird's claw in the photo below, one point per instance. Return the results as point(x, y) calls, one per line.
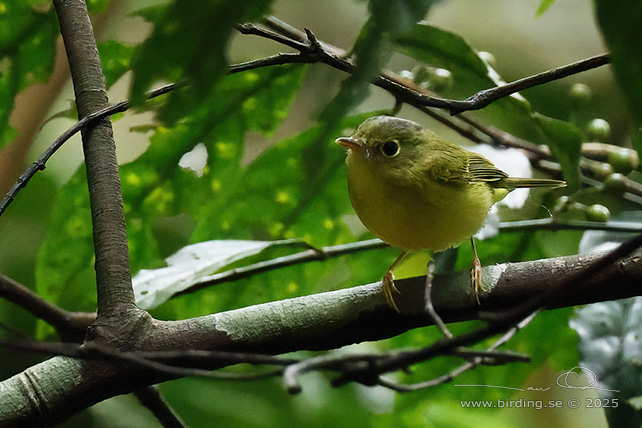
point(475, 278)
point(388, 286)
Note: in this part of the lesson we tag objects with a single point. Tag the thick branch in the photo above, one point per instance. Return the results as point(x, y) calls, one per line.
point(322, 321)
point(115, 294)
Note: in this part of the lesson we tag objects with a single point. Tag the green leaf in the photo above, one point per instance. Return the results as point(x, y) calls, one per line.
point(27, 53)
point(620, 24)
point(371, 50)
point(192, 263)
point(64, 268)
point(299, 187)
point(609, 347)
point(565, 142)
point(444, 49)
point(115, 58)
point(543, 7)
point(441, 48)
point(155, 187)
point(189, 42)
point(619, 21)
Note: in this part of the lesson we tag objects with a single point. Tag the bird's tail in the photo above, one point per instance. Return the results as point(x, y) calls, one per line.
point(516, 183)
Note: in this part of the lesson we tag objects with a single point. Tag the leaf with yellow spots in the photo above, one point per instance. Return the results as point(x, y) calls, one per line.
point(279, 196)
point(162, 199)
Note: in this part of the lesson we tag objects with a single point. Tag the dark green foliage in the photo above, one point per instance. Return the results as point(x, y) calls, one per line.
point(27, 52)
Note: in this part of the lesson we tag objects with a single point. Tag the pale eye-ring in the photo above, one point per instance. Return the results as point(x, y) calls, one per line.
point(390, 148)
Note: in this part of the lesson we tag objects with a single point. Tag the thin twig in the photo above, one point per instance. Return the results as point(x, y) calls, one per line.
point(41, 162)
point(413, 96)
point(469, 365)
point(150, 397)
point(483, 98)
point(293, 372)
point(552, 223)
point(306, 256)
point(68, 324)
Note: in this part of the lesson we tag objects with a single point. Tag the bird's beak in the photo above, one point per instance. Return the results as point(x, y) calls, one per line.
point(349, 142)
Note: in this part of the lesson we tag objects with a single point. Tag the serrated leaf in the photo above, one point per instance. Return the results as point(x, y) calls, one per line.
point(191, 263)
point(565, 142)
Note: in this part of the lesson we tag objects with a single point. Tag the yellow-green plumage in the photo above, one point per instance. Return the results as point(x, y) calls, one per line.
point(432, 194)
point(416, 191)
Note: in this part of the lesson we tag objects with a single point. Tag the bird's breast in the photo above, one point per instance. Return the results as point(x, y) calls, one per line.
point(423, 214)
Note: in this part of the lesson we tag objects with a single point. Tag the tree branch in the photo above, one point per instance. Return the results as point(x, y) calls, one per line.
point(304, 43)
point(151, 398)
point(71, 325)
point(311, 53)
point(113, 277)
point(318, 322)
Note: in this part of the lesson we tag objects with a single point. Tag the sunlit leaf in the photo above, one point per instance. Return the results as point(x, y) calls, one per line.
point(191, 263)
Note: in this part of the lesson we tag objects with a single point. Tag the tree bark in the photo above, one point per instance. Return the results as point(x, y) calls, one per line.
point(113, 276)
point(55, 389)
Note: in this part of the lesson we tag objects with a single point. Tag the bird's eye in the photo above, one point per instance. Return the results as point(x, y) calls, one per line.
point(390, 148)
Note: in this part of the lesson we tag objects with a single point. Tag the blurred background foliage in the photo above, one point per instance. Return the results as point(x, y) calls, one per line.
point(250, 156)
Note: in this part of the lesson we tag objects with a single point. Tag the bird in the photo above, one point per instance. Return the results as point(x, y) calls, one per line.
point(416, 191)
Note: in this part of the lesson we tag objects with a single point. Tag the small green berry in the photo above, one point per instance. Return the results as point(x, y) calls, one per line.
point(560, 204)
point(603, 170)
point(599, 130)
point(580, 93)
point(440, 79)
point(614, 184)
point(598, 212)
point(407, 74)
point(623, 160)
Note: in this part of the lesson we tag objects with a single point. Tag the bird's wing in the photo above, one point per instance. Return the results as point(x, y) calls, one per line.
point(480, 169)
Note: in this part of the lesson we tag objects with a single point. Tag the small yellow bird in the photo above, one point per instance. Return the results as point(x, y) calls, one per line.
point(416, 191)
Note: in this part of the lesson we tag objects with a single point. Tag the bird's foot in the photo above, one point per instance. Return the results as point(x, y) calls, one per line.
point(388, 286)
point(475, 278)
